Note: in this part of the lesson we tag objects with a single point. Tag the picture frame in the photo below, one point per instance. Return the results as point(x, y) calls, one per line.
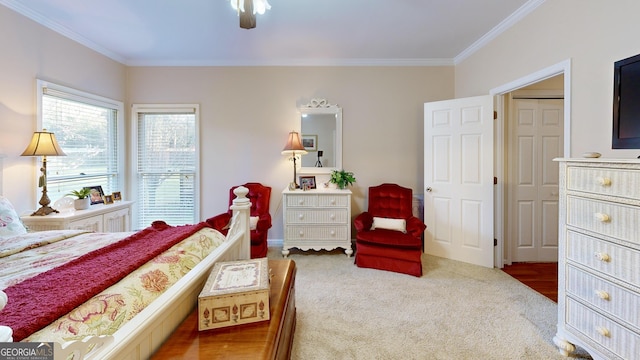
point(96, 195)
point(310, 142)
point(108, 199)
point(117, 196)
point(307, 182)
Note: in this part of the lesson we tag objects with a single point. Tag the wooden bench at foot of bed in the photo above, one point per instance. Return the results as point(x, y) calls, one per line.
point(264, 340)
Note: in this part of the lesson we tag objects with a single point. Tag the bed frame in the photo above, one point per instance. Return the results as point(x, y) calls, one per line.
point(142, 335)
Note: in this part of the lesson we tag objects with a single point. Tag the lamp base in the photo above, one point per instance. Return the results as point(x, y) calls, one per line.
point(44, 210)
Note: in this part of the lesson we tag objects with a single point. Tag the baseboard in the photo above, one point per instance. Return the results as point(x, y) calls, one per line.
point(275, 242)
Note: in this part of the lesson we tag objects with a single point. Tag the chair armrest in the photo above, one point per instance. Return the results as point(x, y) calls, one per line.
point(264, 222)
point(363, 221)
point(220, 221)
point(415, 226)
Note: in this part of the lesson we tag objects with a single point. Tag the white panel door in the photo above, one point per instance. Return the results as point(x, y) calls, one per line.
point(535, 138)
point(458, 175)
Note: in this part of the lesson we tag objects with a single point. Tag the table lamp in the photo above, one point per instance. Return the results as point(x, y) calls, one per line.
point(293, 148)
point(43, 143)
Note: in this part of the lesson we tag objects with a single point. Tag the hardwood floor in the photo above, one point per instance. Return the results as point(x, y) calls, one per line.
point(541, 277)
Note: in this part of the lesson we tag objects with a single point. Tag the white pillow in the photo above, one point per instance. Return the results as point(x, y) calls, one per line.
point(390, 224)
point(253, 222)
point(10, 223)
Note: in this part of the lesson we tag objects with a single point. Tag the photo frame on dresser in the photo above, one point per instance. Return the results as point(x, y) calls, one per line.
point(96, 195)
point(307, 182)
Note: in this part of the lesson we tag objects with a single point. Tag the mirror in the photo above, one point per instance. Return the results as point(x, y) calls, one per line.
point(321, 135)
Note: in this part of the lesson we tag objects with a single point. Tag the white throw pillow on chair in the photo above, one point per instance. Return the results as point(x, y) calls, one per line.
point(390, 224)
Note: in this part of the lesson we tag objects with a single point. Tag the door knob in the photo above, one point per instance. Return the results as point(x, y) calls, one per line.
point(429, 189)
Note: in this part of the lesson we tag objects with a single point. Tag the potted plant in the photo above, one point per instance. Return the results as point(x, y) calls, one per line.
point(82, 202)
point(342, 178)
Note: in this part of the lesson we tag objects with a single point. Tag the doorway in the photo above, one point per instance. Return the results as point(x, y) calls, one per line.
point(532, 84)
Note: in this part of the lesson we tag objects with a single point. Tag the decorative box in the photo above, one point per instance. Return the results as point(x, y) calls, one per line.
point(236, 292)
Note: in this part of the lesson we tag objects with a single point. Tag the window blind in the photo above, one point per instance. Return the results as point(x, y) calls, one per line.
point(166, 166)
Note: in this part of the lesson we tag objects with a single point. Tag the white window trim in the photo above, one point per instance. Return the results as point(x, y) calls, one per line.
point(43, 86)
point(165, 108)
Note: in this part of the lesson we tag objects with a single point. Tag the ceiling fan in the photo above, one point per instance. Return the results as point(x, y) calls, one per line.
point(247, 10)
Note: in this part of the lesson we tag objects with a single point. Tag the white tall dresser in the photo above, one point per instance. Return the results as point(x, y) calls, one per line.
point(599, 258)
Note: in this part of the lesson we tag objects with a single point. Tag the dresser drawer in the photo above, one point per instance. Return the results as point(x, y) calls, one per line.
point(310, 233)
point(310, 216)
point(302, 200)
point(330, 201)
point(606, 218)
point(615, 182)
point(604, 257)
point(611, 298)
point(603, 331)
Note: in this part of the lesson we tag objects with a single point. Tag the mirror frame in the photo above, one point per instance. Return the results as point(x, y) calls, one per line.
point(322, 106)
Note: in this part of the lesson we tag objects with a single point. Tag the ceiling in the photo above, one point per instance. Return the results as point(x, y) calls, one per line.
point(293, 32)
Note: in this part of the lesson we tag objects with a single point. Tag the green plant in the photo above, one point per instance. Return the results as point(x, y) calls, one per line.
point(82, 193)
point(342, 178)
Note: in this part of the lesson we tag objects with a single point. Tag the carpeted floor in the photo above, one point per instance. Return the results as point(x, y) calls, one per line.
point(454, 311)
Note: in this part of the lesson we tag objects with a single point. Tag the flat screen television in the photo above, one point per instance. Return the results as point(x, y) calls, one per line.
point(626, 103)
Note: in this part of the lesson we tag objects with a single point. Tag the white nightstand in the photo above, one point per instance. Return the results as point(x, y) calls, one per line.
point(317, 219)
point(114, 217)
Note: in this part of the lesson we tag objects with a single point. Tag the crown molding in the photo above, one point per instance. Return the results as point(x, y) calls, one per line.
point(18, 7)
point(505, 24)
point(297, 62)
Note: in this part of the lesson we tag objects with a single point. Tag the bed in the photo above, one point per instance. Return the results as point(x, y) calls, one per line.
point(149, 319)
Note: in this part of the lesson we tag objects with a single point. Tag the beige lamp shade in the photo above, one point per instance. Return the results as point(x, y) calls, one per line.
point(294, 145)
point(43, 143)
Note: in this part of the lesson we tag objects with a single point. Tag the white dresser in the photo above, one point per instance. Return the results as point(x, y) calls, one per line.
point(114, 217)
point(317, 219)
point(599, 258)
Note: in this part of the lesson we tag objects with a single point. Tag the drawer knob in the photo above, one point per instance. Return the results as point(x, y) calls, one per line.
point(602, 256)
point(301, 201)
point(332, 232)
point(603, 217)
point(333, 201)
point(301, 233)
point(604, 181)
point(332, 216)
point(602, 294)
point(301, 216)
point(603, 331)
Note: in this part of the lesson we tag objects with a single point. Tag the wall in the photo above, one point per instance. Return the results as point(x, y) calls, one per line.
point(592, 33)
point(247, 113)
point(30, 51)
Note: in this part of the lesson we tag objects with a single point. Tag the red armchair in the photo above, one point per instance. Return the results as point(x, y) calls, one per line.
point(388, 236)
point(259, 195)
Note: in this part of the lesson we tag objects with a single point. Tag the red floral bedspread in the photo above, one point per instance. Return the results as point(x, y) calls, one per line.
point(37, 252)
point(106, 312)
point(120, 303)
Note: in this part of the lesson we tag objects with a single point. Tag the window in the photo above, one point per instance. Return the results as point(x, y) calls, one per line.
point(167, 164)
point(88, 128)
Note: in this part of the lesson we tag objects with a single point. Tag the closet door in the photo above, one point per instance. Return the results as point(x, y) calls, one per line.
point(535, 139)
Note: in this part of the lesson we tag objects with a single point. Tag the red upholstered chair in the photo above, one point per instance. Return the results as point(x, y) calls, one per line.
point(259, 195)
point(388, 235)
